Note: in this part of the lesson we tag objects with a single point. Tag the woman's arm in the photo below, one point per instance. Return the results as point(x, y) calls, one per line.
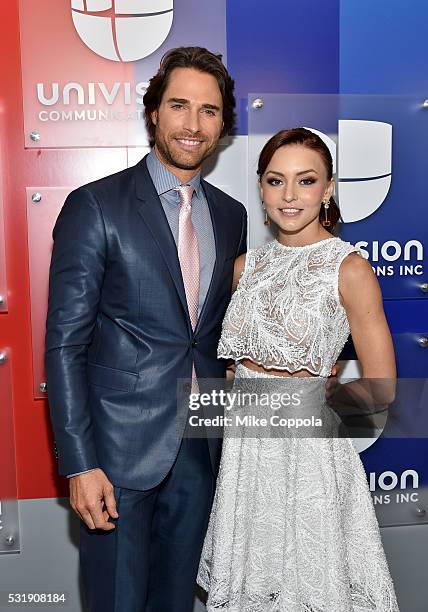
point(237, 270)
point(360, 295)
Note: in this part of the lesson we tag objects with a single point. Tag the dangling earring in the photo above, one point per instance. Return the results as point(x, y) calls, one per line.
point(326, 222)
point(266, 221)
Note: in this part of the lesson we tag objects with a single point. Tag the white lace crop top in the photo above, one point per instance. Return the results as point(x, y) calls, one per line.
point(285, 313)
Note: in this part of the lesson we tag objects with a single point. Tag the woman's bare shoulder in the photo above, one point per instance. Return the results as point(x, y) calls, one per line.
point(356, 277)
point(354, 267)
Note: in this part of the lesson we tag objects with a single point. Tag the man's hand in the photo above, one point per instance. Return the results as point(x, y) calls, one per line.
point(332, 384)
point(332, 387)
point(336, 369)
point(89, 494)
point(230, 370)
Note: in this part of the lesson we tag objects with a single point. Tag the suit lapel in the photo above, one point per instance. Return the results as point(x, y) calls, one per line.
point(219, 221)
point(153, 215)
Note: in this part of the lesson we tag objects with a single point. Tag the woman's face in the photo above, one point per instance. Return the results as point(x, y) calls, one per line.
point(293, 187)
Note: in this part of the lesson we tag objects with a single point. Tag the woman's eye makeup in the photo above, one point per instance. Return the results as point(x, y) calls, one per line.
point(308, 181)
point(274, 181)
point(304, 181)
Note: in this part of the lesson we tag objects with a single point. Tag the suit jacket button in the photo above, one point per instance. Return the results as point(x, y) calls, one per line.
point(194, 343)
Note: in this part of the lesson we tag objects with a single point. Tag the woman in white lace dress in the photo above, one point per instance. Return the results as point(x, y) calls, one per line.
point(293, 527)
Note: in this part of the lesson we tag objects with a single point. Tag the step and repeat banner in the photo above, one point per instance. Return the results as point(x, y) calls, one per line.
point(85, 67)
point(72, 96)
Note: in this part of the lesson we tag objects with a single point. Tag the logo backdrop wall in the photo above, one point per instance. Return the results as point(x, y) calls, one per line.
point(377, 145)
point(85, 67)
point(86, 64)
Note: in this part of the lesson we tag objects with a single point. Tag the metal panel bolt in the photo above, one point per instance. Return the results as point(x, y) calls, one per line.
point(258, 103)
point(9, 540)
point(1, 300)
point(423, 342)
point(424, 287)
point(43, 387)
point(2, 357)
point(36, 197)
point(35, 136)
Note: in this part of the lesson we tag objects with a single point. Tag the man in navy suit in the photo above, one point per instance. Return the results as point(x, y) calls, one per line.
point(119, 335)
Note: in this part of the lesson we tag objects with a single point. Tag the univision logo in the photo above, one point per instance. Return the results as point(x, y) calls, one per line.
point(363, 166)
point(122, 30)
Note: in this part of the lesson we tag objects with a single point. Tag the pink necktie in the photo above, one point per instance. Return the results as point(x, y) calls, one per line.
point(188, 255)
point(188, 252)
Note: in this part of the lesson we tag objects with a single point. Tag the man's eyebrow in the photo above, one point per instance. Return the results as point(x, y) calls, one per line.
point(297, 173)
point(211, 106)
point(178, 100)
point(184, 101)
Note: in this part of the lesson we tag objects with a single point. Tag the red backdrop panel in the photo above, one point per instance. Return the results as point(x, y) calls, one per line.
point(20, 168)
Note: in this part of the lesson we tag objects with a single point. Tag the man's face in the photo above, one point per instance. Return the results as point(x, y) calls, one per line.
point(189, 119)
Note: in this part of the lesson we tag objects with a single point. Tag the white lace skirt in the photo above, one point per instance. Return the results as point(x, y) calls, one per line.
point(293, 529)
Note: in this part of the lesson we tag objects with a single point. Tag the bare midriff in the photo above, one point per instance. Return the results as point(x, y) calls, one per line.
point(258, 368)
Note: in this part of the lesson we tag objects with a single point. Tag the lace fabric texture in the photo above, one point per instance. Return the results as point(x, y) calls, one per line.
point(285, 312)
point(293, 527)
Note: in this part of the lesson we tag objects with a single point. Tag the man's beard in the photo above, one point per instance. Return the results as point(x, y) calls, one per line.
point(174, 160)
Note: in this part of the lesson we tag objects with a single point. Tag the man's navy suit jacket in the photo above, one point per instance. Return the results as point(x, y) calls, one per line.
point(118, 333)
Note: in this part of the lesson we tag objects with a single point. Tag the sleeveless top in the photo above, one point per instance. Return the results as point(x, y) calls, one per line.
point(285, 313)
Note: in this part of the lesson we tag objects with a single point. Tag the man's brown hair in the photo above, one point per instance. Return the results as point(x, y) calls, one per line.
point(197, 58)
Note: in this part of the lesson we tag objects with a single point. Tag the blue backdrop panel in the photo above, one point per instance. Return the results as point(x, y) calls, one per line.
point(282, 47)
point(383, 46)
point(399, 217)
